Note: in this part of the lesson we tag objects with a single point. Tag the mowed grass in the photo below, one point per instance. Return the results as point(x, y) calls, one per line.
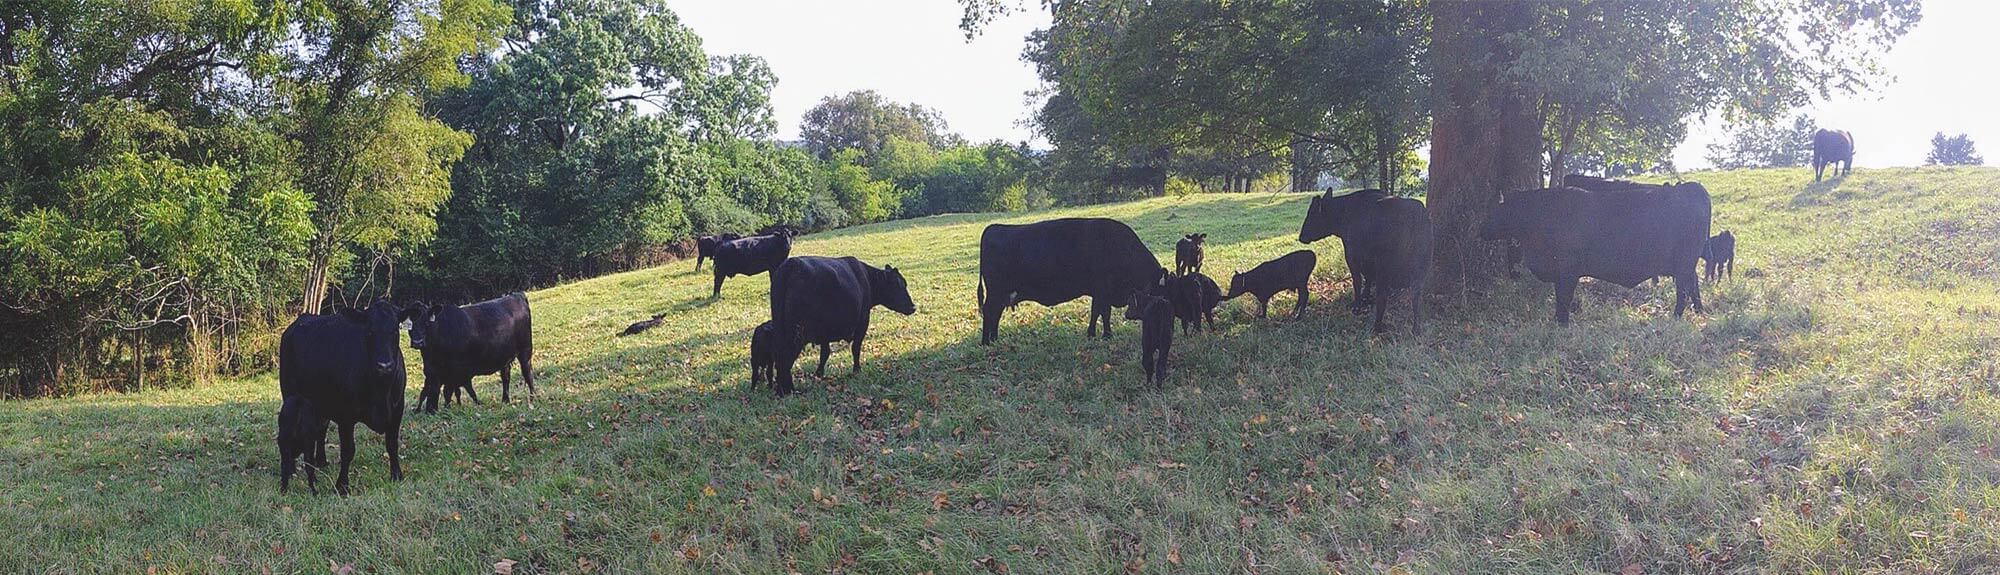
point(1834, 411)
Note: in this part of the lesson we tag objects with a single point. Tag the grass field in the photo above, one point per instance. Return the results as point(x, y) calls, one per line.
point(1834, 411)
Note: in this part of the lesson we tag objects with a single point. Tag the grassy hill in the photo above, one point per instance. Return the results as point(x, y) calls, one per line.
point(1834, 411)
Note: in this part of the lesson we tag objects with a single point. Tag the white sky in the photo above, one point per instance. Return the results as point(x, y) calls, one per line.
point(912, 51)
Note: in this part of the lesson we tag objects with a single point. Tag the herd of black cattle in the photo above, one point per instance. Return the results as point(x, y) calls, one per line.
point(347, 367)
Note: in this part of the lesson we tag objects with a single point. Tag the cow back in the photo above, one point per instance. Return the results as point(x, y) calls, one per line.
point(1056, 261)
point(1624, 237)
point(821, 299)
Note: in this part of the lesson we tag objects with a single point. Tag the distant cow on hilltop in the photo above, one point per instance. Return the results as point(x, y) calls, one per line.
point(1831, 146)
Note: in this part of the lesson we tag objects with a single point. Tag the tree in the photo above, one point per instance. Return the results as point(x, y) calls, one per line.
point(1953, 151)
point(864, 120)
point(1765, 144)
point(376, 167)
point(1505, 85)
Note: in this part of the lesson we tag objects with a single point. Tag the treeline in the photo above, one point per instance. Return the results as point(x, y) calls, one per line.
point(177, 181)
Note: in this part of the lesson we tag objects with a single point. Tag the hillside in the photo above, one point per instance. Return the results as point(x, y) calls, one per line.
point(1835, 410)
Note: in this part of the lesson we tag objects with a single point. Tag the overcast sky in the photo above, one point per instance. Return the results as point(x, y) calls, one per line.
point(912, 51)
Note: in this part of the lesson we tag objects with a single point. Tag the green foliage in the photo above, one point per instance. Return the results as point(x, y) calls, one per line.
point(866, 121)
point(1953, 151)
point(1765, 144)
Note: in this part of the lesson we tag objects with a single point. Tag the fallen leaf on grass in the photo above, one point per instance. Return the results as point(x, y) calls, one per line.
point(1632, 569)
point(1174, 555)
point(991, 564)
point(339, 568)
point(503, 567)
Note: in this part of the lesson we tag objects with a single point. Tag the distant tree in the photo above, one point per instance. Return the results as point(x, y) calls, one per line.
point(865, 120)
point(1754, 144)
point(1953, 151)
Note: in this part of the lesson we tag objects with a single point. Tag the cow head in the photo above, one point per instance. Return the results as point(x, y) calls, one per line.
point(1154, 294)
point(1236, 286)
point(893, 292)
point(1198, 239)
point(423, 321)
point(1331, 215)
point(383, 322)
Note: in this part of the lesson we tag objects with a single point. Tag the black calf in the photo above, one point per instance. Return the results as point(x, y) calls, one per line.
point(1289, 272)
point(1156, 333)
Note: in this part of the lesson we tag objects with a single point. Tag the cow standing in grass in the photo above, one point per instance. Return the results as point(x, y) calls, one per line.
point(1156, 331)
point(821, 300)
point(1387, 243)
point(1194, 297)
point(1055, 261)
point(1719, 255)
point(1189, 253)
point(1289, 272)
point(349, 367)
point(750, 256)
point(462, 342)
point(1831, 147)
point(1623, 237)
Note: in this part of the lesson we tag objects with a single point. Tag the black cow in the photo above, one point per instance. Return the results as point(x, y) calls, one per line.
point(349, 367)
point(1830, 147)
point(1622, 237)
point(822, 300)
point(750, 256)
point(704, 246)
point(1189, 253)
point(1289, 272)
point(1387, 242)
point(764, 343)
point(1720, 255)
point(1156, 331)
point(1194, 297)
point(301, 435)
point(461, 342)
point(1059, 260)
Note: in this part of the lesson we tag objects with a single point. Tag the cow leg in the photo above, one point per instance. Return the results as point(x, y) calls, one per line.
point(312, 477)
point(393, 440)
point(286, 468)
point(989, 319)
point(825, 349)
point(855, 349)
point(1381, 309)
point(697, 262)
point(1146, 362)
point(1263, 307)
point(1299, 310)
point(346, 457)
point(1416, 308)
point(427, 399)
point(1565, 297)
point(787, 354)
point(718, 283)
point(527, 359)
point(1693, 284)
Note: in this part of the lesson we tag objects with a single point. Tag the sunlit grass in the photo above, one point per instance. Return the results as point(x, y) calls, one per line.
point(1834, 411)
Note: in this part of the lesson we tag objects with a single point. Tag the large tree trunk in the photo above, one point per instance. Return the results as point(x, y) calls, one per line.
point(1485, 135)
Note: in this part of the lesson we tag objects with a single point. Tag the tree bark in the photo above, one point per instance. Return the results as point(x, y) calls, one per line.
point(1485, 136)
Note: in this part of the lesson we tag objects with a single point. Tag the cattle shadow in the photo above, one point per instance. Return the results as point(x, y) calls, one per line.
point(1815, 193)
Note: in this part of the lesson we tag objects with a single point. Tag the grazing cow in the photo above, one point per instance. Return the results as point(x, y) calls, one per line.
point(764, 355)
point(1621, 237)
point(1156, 331)
point(821, 300)
point(301, 435)
point(1720, 255)
point(1387, 242)
point(1194, 297)
point(1059, 260)
point(349, 367)
point(704, 247)
point(638, 327)
point(1188, 254)
point(461, 342)
point(1289, 272)
point(1829, 147)
point(750, 256)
